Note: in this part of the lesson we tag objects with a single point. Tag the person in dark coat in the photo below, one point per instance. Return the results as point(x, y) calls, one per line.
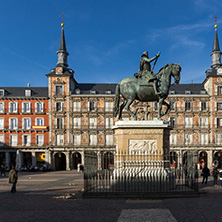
point(13, 177)
point(2, 170)
point(215, 176)
point(205, 174)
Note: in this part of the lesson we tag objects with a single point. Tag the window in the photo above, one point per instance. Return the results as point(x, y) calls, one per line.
point(2, 139)
point(188, 122)
point(173, 138)
point(39, 121)
point(203, 92)
point(26, 140)
point(93, 92)
point(26, 107)
point(40, 139)
point(2, 107)
point(218, 138)
point(172, 92)
point(203, 138)
point(92, 106)
point(27, 92)
point(92, 123)
point(203, 122)
point(77, 91)
point(1, 123)
point(39, 107)
point(219, 122)
point(187, 92)
point(77, 122)
point(203, 106)
point(59, 106)
point(2, 92)
point(155, 106)
point(59, 123)
point(77, 139)
point(26, 123)
point(187, 106)
point(13, 140)
point(108, 92)
point(219, 106)
point(188, 139)
point(59, 90)
point(219, 90)
point(109, 122)
point(173, 105)
point(77, 106)
point(13, 123)
point(109, 139)
point(13, 107)
point(59, 139)
point(109, 106)
point(93, 139)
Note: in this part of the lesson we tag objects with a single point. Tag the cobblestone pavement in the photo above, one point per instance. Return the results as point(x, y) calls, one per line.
point(41, 197)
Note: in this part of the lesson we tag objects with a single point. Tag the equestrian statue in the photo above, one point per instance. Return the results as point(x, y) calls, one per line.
point(147, 86)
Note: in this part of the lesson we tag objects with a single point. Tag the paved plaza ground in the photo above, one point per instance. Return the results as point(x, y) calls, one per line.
point(43, 197)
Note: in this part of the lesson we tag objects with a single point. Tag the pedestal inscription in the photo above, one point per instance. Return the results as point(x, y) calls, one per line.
point(142, 147)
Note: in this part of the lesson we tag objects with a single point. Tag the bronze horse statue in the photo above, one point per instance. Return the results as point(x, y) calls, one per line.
point(139, 89)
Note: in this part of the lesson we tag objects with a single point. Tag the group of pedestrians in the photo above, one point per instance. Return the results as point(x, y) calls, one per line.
point(215, 173)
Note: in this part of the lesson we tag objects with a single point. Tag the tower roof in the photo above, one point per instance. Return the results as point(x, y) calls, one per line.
point(216, 46)
point(62, 45)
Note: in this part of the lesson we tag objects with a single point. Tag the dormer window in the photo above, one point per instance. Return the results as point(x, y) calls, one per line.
point(187, 92)
point(172, 92)
point(27, 92)
point(202, 92)
point(2, 92)
point(108, 91)
point(93, 92)
point(77, 91)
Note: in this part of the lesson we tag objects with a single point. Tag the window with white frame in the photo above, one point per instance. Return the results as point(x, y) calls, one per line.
point(109, 122)
point(93, 139)
point(13, 140)
point(173, 138)
point(26, 123)
point(39, 121)
point(60, 139)
point(218, 138)
point(2, 107)
point(109, 106)
point(219, 90)
point(13, 107)
point(219, 122)
point(77, 139)
point(13, 123)
point(59, 123)
point(76, 122)
point(109, 139)
point(26, 107)
point(188, 138)
point(219, 106)
point(92, 123)
point(28, 92)
point(203, 106)
point(92, 105)
point(59, 90)
point(188, 106)
point(172, 121)
point(59, 106)
point(173, 105)
point(188, 122)
point(40, 139)
point(76, 106)
point(2, 139)
point(203, 121)
point(2, 92)
point(26, 140)
point(2, 123)
point(203, 138)
point(39, 107)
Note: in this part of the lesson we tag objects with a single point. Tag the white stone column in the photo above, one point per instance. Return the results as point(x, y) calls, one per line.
point(7, 160)
point(49, 158)
point(18, 159)
point(67, 160)
point(209, 159)
point(82, 158)
point(180, 158)
point(33, 159)
point(99, 160)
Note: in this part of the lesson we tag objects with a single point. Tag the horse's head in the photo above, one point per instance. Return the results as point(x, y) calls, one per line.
point(176, 68)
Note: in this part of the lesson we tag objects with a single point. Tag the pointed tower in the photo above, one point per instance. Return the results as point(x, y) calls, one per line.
point(216, 53)
point(62, 52)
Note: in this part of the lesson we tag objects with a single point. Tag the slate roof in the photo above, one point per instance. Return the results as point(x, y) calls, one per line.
point(195, 88)
point(20, 91)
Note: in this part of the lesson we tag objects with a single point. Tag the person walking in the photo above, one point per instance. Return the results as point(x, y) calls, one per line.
point(13, 177)
point(215, 176)
point(205, 174)
point(220, 177)
point(2, 169)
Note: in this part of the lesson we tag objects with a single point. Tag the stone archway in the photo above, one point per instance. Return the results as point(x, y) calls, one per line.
point(202, 159)
point(184, 158)
point(218, 159)
point(60, 161)
point(77, 159)
point(2, 158)
point(173, 159)
point(108, 160)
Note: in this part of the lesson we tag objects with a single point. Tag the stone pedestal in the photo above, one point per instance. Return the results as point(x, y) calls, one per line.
point(142, 146)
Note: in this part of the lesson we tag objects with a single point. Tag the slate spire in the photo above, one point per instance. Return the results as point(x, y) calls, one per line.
point(62, 52)
point(216, 53)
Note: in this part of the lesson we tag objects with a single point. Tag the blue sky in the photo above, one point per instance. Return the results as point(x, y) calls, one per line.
point(105, 38)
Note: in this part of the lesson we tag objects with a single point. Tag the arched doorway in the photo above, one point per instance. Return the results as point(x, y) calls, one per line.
point(60, 161)
point(108, 160)
point(173, 159)
point(218, 159)
point(77, 159)
point(2, 158)
point(202, 159)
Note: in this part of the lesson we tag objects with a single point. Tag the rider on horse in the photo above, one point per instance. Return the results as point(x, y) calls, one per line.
point(145, 71)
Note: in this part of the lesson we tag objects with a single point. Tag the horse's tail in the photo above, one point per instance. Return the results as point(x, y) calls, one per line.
point(117, 99)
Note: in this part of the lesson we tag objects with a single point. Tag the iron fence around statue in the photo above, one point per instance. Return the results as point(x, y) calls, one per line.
point(140, 174)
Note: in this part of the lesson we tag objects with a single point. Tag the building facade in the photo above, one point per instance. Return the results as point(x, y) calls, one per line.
point(60, 125)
